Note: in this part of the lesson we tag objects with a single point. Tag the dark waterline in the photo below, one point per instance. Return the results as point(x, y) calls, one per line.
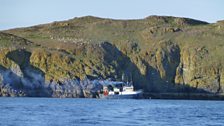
point(57, 112)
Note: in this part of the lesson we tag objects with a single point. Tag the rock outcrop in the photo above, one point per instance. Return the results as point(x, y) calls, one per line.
point(159, 54)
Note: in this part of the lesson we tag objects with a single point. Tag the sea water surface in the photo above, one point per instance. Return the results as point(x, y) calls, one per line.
point(86, 112)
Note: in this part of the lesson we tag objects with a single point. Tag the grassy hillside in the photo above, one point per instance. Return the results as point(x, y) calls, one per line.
point(160, 54)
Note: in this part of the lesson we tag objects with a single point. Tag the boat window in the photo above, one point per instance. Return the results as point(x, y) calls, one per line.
point(118, 86)
point(110, 88)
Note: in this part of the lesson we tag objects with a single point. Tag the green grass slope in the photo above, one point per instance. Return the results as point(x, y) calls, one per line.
point(159, 53)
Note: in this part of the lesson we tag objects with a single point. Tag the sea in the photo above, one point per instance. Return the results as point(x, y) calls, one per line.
point(109, 112)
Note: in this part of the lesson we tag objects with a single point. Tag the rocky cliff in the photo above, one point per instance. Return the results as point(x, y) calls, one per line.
point(159, 54)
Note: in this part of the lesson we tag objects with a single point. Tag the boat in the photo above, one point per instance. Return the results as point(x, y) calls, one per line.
point(119, 90)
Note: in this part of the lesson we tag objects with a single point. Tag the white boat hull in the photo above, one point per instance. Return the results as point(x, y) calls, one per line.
point(130, 95)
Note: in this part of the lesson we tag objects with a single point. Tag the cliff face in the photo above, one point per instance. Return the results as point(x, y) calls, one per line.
point(159, 54)
point(195, 70)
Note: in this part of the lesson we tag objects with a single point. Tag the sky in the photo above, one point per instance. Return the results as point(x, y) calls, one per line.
point(23, 13)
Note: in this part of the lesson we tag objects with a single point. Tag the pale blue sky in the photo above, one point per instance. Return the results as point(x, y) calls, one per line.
point(22, 13)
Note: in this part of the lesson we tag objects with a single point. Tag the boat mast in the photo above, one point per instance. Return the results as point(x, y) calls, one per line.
point(131, 80)
point(122, 77)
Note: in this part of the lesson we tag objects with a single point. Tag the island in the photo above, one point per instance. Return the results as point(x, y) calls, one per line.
point(166, 57)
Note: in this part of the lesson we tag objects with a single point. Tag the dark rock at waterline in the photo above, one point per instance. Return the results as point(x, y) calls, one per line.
point(68, 89)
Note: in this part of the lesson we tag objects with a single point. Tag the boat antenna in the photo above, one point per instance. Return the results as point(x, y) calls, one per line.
point(131, 79)
point(122, 77)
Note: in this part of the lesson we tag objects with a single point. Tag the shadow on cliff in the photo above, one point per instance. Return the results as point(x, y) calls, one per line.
point(25, 76)
point(156, 84)
point(123, 66)
point(152, 80)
